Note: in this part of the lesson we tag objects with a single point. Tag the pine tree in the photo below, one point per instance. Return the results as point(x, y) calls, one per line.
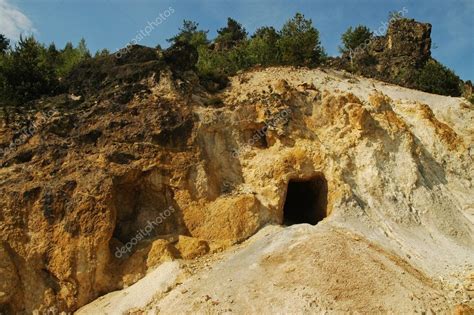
point(82, 49)
point(299, 44)
point(26, 74)
point(230, 35)
point(102, 53)
point(4, 44)
point(262, 48)
point(190, 34)
point(71, 56)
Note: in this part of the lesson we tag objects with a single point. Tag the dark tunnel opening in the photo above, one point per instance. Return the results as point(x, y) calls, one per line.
point(306, 201)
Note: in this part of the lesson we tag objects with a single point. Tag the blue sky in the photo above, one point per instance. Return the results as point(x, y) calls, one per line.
point(113, 23)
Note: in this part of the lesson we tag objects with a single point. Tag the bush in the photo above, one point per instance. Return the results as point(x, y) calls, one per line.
point(471, 99)
point(223, 63)
point(181, 56)
point(436, 78)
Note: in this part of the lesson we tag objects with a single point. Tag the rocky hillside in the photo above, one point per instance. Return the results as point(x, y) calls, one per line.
point(152, 177)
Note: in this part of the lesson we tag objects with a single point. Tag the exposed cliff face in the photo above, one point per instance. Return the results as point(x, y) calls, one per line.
point(103, 192)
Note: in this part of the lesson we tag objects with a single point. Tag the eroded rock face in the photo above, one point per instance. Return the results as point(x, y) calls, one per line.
point(409, 41)
point(407, 48)
point(8, 274)
point(166, 176)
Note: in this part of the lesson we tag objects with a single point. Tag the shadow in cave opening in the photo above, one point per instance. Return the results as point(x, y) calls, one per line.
point(306, 201)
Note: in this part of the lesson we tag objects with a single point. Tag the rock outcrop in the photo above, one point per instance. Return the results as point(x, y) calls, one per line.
point(405, 48)
point(105, 190)
point(396, 57)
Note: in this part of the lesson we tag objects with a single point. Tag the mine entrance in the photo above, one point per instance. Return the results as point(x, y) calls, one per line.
point(306, 201)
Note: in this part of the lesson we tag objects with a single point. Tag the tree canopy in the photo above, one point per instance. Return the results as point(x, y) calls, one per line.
point(230, 35)
point(31, 69)
point(299, 43)
point(355, 38)
point(190, 34)
point(4, 44)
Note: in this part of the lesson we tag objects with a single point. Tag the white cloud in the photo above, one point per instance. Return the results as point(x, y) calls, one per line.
point(13, 22)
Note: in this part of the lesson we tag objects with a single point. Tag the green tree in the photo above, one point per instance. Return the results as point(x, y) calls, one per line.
point(4, 44)
point(101, 53)
point(52, 50)
point(52, 56)
point(355, 38)
point(218, 63)
point(262, 48)
point(190, 34)
point(230, 35)
point(82, 49)
point(71, 56)
point(299, 43)
point(26, 74)
point(228, 55)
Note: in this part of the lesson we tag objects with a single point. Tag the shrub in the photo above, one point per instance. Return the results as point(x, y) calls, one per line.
point(471, 98)
point(223, 63)
point(182, 56)
point(438, 79)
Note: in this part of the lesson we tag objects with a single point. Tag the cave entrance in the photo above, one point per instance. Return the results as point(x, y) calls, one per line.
point(306, 201)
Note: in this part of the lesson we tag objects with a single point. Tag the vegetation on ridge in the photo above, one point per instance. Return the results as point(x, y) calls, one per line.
point(30, 69)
